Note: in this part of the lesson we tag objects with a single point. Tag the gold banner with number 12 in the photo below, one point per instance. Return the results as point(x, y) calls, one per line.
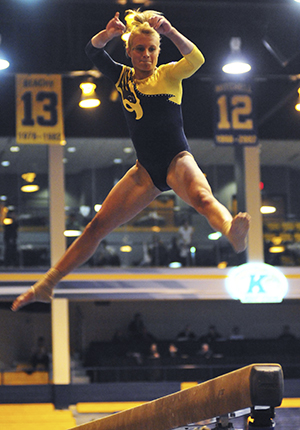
point(39, 112)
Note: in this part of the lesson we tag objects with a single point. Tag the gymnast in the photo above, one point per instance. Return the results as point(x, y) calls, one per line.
point(151, 100)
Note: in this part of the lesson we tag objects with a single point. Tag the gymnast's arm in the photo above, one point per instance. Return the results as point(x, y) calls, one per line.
point(99, 56)
point(164, 27)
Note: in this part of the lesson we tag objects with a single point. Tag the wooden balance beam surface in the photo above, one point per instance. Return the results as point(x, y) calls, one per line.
point(254, 385)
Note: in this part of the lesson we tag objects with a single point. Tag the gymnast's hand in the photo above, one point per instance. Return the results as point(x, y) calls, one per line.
point(115, 26)
point(160, 24)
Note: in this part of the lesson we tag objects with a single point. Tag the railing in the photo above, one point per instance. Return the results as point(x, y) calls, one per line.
point(168, 373)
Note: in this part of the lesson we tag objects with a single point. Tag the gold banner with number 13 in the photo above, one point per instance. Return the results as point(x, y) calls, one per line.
point(39, 112)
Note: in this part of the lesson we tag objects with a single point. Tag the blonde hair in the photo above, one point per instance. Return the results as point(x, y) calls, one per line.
point(137, 23)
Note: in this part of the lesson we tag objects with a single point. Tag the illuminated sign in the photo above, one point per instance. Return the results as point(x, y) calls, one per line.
point(256, 283)
point(234, 119)
point(39, 116)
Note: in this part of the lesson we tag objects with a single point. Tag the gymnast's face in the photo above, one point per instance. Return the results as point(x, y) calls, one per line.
point(144, 53)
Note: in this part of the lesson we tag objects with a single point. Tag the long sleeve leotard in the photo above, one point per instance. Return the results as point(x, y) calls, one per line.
point(152, 108)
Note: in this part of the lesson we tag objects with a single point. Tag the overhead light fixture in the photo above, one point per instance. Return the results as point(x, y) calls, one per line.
point(126, 248)
point(277, 249)
point(128, 150)
point(236, 64)
point(71, 149)
point(155, 228)
point(265, 210)
point(297, 105)
point(118, 161)
point(175, 265)
point(276, 240)
point(215, 235)
point(4, 63)
point(7, 221)
point(222, 265)
point(14, 148)
point(72, 233)
point(89, 97)
point(31, 186)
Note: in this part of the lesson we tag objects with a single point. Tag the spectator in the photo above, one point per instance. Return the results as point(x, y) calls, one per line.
point(158, 252)
point(136, 326)
point(205, 351)
point(107, 255)
point(185, 240)
point(286, 334)
point(186, 334)
point(146, 260)
point(211, 336)
point(173, 350)
point(154, 353)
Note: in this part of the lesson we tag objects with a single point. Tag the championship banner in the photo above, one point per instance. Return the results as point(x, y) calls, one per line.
point(234, 119)
point(39, 115)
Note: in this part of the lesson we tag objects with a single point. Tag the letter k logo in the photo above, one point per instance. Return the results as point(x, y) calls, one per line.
point(256, 284)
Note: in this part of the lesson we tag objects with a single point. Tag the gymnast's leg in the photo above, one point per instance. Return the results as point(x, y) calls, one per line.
point(131, 194)
point(189, 183)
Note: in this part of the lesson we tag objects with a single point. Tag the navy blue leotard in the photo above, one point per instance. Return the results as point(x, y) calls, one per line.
point(152, 108)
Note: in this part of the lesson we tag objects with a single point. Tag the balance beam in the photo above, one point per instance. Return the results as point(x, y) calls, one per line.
point(254, 385)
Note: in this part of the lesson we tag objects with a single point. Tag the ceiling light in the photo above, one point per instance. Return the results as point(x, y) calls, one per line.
point(236, 64)
point(89, 97)
point(276, 249)
point(4, 63)
point(193, 250)
point(72, 233)
point(118, 160)
point(222, 265)
point(126, 248)
point(214, 236)
point(155, 228)
point(97, 207)
point(5, 163)
point(297, 105)
point(84, 210)
point(71, 149)
point(128, 150)
point(30, 188)
point(14, 149)
point(276, 240)
point(175, 265)
point(29, 177)
point(267, 210)
point(7, 221)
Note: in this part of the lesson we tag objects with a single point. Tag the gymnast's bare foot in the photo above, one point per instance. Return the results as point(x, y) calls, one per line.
point(23, 299)
point(238, 232)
